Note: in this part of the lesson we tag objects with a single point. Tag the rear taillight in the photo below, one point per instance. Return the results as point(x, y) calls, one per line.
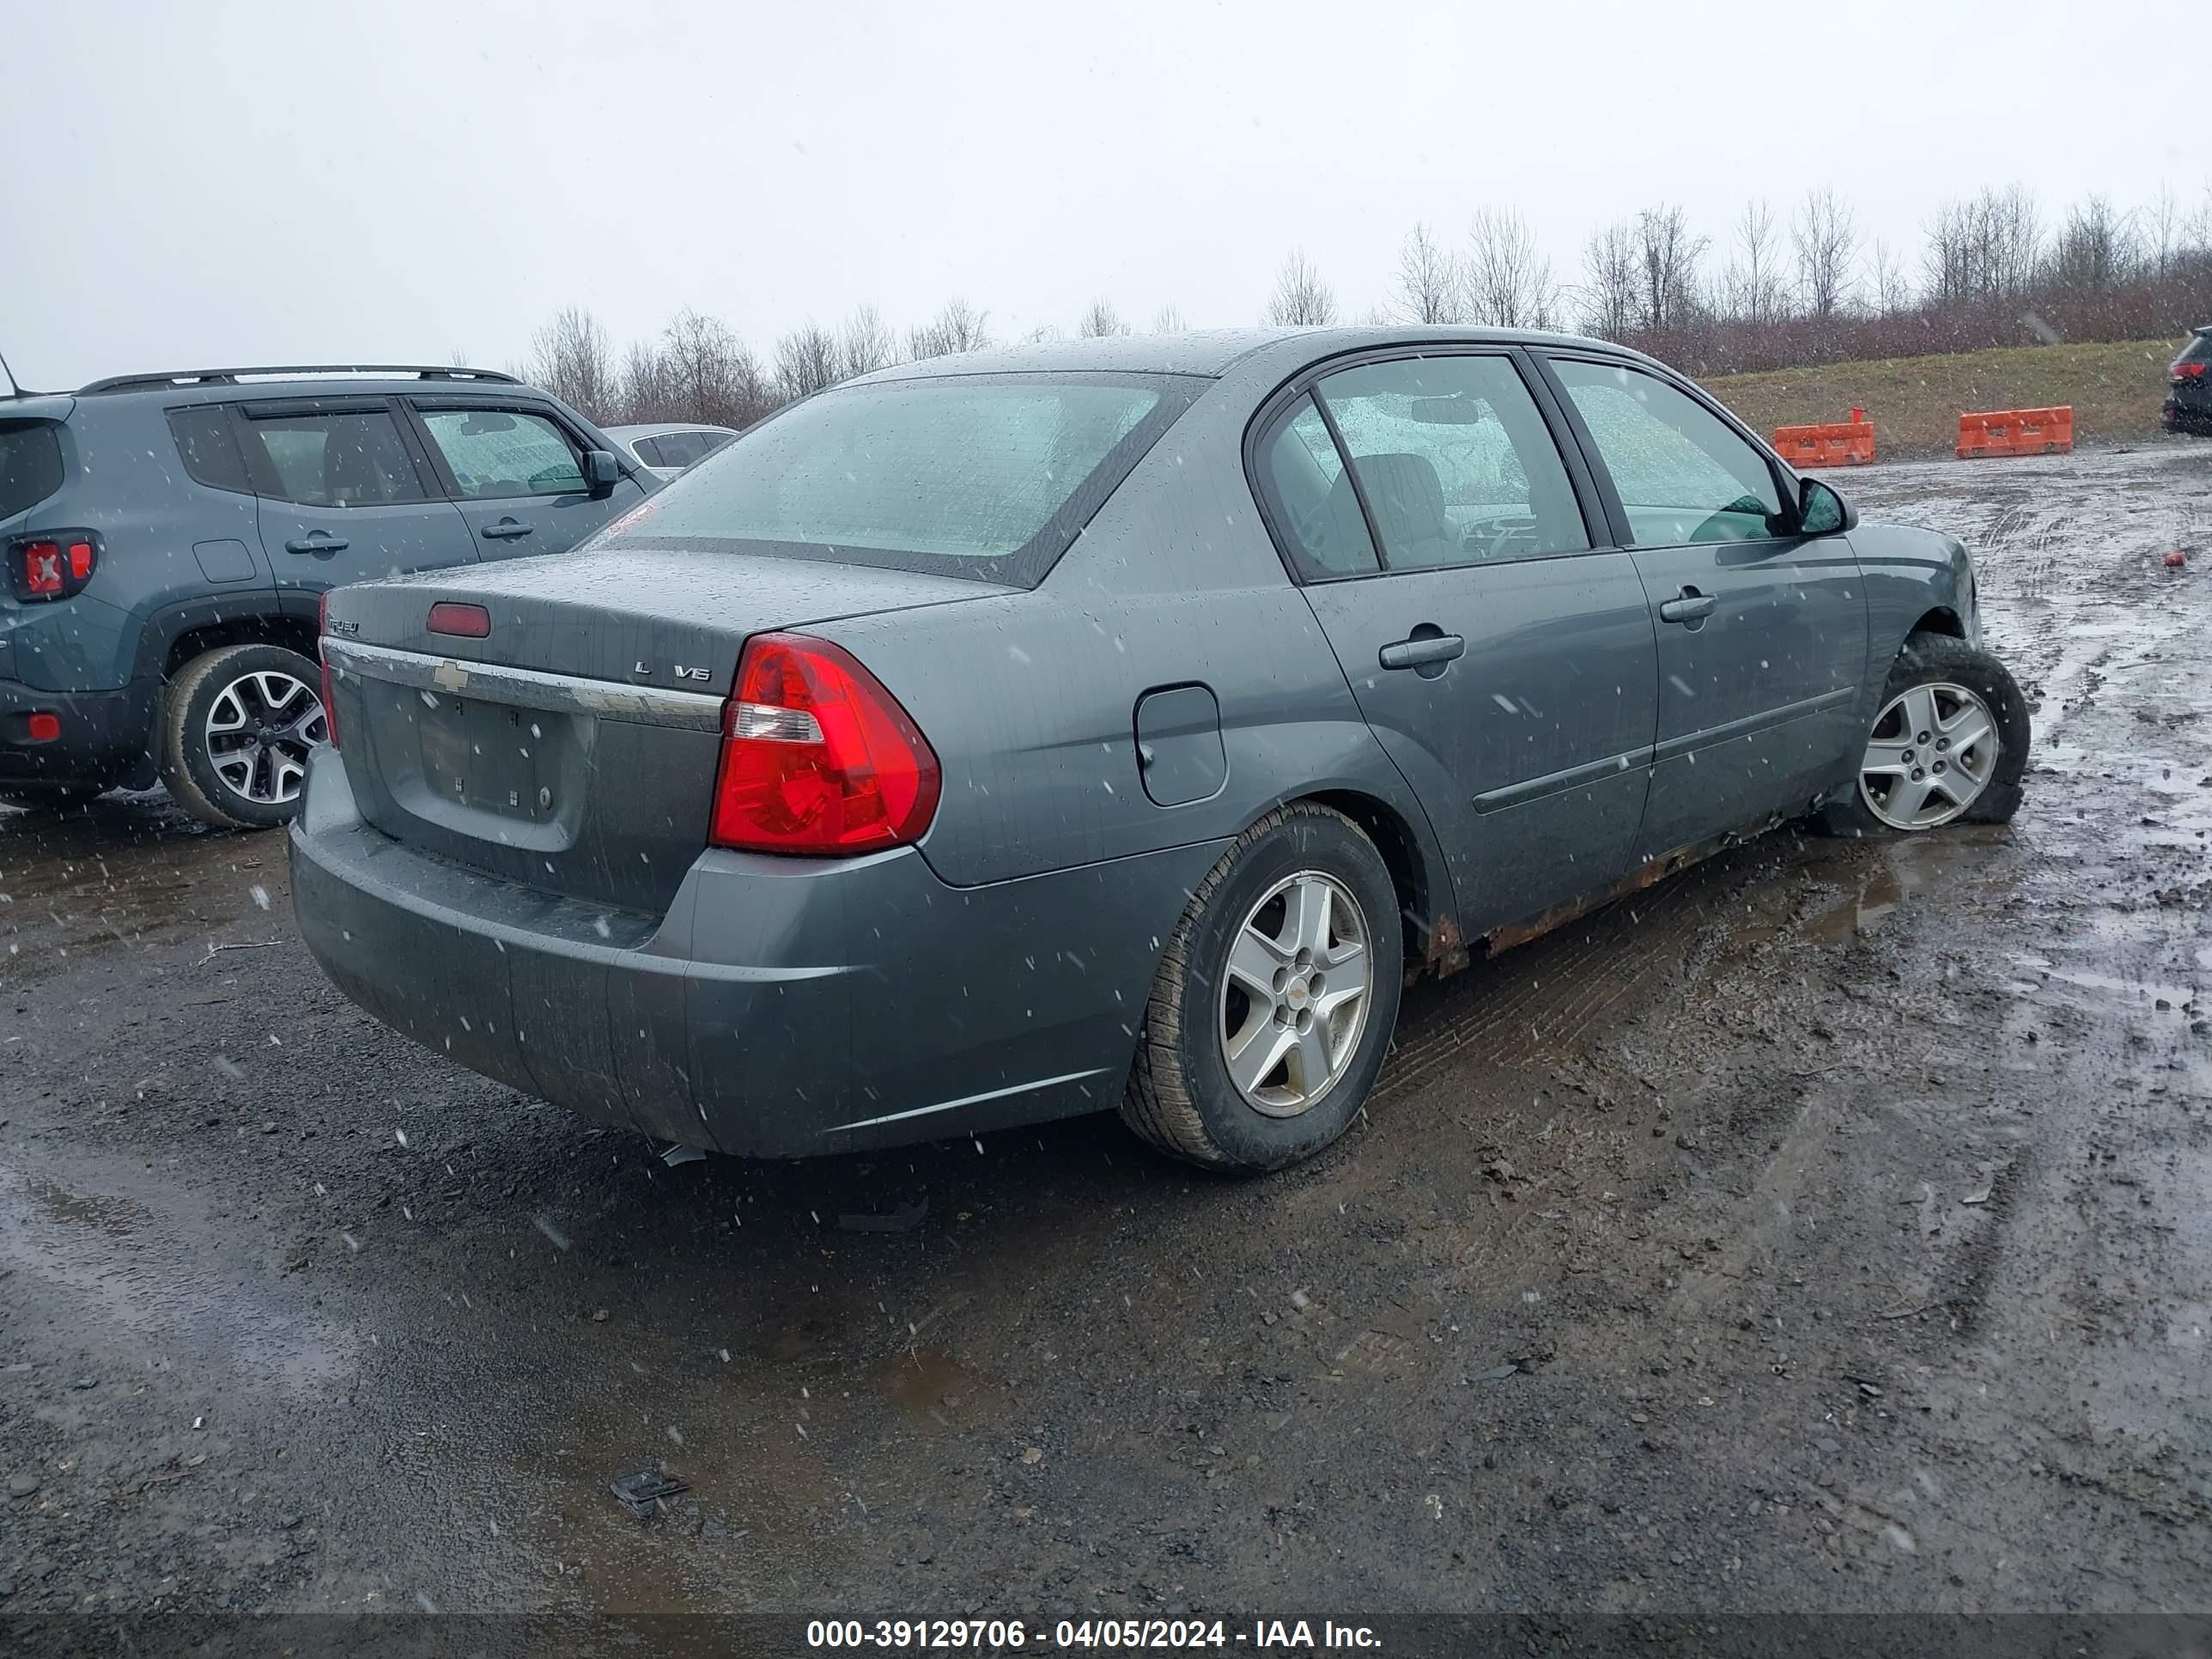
point(2188, 371)
point(53, 564)
point(817, 757)
point(322, 632)
point(467, 622)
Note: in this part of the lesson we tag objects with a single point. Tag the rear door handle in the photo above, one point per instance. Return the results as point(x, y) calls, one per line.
point(506, 531)
point(1692, 606)
point(318, 543)
point(1420, 650)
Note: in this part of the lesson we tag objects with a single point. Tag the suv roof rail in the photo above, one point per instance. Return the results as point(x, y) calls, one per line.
point(191, 377)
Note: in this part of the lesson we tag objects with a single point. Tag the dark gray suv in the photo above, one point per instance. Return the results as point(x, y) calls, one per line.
point(167, 540)
point(1114, 722)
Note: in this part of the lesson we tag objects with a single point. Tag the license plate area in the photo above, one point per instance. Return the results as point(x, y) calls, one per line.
point(494, 771)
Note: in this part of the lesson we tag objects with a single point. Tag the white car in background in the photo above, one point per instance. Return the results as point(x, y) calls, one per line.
point(664, 448)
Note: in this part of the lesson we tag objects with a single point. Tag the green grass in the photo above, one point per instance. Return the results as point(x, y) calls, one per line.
point(1915, 402)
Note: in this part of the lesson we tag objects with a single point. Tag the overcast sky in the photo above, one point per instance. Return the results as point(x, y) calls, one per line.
point(393, 181)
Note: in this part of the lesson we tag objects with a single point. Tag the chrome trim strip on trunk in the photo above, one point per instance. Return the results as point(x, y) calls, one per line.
point(528, 688)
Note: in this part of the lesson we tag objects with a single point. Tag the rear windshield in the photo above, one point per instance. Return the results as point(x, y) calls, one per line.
point(984, 476)
point(2198, 350)
point(30, 464)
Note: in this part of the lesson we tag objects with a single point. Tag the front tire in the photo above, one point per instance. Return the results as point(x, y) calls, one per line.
point(1949, 744)
point(236, 727)
point(1275, 999)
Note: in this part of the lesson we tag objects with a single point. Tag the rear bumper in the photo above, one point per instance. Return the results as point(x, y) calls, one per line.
point(107, 736)
point(782, 1007)
point(2189, 411)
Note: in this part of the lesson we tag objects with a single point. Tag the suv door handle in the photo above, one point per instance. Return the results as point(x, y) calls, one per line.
point(1692, 606)
point(321, 542)
point(506, 531)
point(1422, 649)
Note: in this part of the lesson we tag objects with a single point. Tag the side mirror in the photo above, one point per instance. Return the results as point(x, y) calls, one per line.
point(602, 471)
point(1821, 511)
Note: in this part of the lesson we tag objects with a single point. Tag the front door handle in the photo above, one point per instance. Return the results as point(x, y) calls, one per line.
point(506, 530)
point(1691, 607)
point(320, 542)
point(1429, 646)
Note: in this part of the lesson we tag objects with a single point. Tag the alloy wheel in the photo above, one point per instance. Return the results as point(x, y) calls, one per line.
point(1294, 999)
point(259, 730)
point(1933, 751)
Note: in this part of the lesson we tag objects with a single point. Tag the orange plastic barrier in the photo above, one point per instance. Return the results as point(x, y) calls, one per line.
point(1837, 443)
point(2016, 432)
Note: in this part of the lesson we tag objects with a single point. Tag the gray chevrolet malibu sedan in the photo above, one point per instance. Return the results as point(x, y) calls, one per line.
point(1119, 723)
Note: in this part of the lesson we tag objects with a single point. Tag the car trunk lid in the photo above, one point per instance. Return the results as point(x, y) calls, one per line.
point(574, 746)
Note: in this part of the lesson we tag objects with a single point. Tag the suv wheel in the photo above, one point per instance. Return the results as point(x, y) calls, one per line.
point(1275, 998)
point(236, 727)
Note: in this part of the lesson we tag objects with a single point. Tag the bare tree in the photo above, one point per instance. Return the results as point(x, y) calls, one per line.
point(1667, 257)
point(1507, 281)
point(807, 361)
point(1301, 298)
point(2163, 228)
point(1428, 281)
point(569, 358)
point(1168, 320)
point(1891, 295)
point(957, 327)
point(648, 390)
point(1825, 234)
point(707, 374)
point(1984, 249)
point(1099, 320)
point(2097, 250)
point(865, 345)
point(1609, 286)
point(1753, 285)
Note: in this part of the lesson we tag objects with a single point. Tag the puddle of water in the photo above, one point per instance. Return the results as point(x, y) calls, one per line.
point(1907, 868)
point(118, 1217)
point(118, 1256)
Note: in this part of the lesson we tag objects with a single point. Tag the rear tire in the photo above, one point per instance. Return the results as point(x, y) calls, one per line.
point(1946, 666)
point(212, 761)
point(1301, 860)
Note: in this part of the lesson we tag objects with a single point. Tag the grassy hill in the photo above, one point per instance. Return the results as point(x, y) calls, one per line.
point(1915, 402)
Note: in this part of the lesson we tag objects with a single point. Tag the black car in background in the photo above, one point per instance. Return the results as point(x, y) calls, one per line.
point(2189, 398)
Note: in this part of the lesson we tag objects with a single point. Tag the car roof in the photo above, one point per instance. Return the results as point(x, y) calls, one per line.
point(1212, 352)
point(655, 428)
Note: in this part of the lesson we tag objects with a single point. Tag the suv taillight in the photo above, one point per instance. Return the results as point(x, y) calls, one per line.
point(817, 758)
point(2188, 371)
point(322, 631)
point(51, 565)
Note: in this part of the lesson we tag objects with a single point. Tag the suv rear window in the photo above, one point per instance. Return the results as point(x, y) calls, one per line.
point(983, 476)
point(2198, 350)
point(30, 464)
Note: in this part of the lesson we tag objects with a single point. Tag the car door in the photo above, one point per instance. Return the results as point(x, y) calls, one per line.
point(345, 495)
point(1762, 631)
point(516, 470)
point(1506, 665)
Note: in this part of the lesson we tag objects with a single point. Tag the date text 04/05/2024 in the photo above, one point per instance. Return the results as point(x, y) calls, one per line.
point(997, 1634)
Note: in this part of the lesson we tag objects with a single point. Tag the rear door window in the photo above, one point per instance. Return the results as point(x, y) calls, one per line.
point(1314, 505)
point(30, 464)
point(648, 450)
point(498, 453)
point(1455, 462)
point(350, 458)
point(684, 449)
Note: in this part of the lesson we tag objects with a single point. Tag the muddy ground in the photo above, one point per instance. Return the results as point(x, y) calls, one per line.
point(1826, 1230)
